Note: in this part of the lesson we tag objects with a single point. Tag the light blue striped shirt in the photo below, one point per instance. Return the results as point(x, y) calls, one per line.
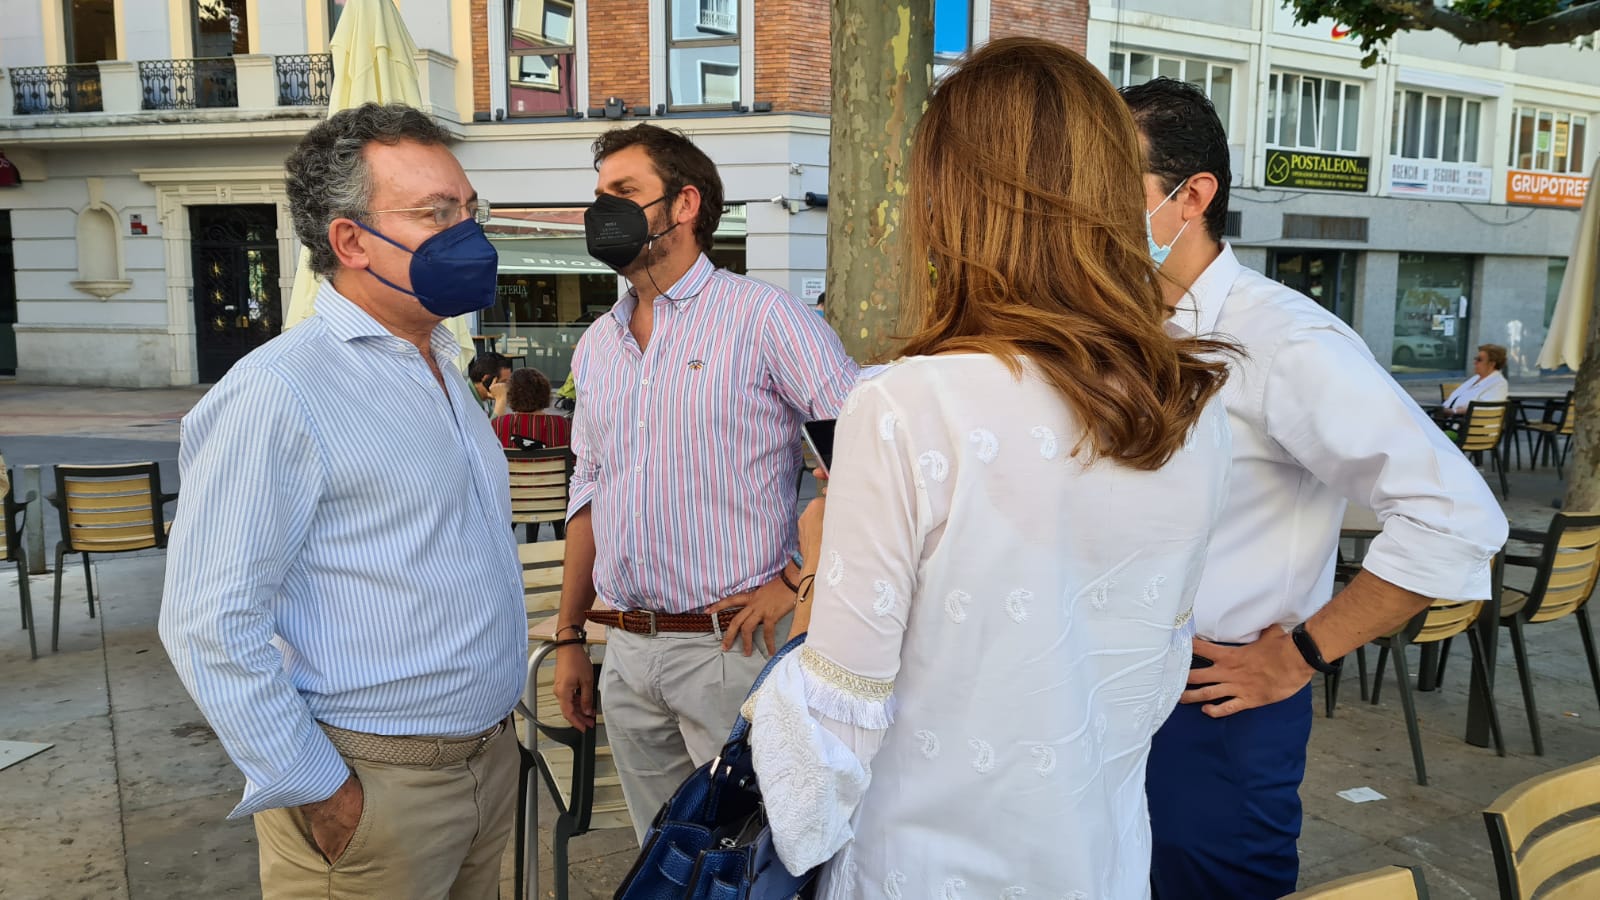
point(342, 552)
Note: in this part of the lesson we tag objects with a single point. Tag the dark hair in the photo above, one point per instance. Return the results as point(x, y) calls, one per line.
point(327, 174)
point(1496, 354)
point(1184, 136)
point(486, 365)
point(1027, 239)
point(678, 162)
point(529, 391)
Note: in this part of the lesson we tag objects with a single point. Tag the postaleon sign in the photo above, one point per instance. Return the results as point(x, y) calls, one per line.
point(1438, 180)
point(1545, 189)
point(1317, 171)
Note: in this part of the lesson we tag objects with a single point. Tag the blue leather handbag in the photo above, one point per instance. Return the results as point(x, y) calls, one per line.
point(711, 841)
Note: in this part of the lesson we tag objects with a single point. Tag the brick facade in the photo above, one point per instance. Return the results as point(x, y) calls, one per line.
point(619, 51)
point(792, 54)
point(1065, 21)
point(479, 12)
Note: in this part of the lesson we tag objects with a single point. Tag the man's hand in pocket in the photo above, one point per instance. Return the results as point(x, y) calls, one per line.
point(333, 821)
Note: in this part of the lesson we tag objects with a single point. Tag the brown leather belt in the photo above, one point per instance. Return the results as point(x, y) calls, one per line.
point(649, 624)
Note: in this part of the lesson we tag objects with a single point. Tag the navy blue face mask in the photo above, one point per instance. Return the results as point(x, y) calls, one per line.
point(452, 273)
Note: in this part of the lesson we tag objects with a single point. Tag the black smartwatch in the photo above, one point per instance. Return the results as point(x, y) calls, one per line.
point(1310, 652)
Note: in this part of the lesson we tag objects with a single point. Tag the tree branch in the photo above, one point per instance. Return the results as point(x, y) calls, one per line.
point(1556, 28)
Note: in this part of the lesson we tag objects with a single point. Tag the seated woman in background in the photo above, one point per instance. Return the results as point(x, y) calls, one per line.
point(528, 397)
point(1487, 383)
point(1016, 518)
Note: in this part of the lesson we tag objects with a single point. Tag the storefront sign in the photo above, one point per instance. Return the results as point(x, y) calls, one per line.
point(1441, 180)
point(1317, 171)
point(1544, 189)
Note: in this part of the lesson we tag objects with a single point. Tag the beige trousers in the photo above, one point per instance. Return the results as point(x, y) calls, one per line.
point(669, 703)
point(425, 833)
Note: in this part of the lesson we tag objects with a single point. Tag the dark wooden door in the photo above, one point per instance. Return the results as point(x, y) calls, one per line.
point(236, 295)
point(8, 298)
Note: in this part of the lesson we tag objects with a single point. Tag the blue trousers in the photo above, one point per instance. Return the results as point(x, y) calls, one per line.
point(1224, 800)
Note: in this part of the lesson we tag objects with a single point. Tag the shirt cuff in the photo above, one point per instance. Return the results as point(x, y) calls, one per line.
point(582, 495)
point(315, 775)
point(1416, 558)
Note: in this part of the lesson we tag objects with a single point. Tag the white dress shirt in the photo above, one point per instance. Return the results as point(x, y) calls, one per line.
point(999, 630)
point(1489, 389)
point(1318, 422)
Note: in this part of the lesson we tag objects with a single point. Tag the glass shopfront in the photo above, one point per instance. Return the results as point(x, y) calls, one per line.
point(1432, 308)
point(1326, 276)
point(550, 288)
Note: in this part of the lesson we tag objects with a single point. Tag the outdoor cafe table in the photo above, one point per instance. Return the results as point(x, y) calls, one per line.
point(1361, 525)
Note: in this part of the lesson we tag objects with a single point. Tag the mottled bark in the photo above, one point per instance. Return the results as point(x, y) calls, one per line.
point(882, 65)
point(1583, 477)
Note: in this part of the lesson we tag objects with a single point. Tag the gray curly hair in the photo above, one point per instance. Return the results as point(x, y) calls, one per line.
point(327, 173)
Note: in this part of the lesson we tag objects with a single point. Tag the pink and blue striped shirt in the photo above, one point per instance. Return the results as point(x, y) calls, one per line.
point(688, 450)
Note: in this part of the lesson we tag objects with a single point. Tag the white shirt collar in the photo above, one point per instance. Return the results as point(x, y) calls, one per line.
point(1197, 311)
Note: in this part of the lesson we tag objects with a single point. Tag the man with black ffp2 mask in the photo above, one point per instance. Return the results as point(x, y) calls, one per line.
point(682, 512)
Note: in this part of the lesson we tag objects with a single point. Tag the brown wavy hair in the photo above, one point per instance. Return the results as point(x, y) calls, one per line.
point(1025, 220)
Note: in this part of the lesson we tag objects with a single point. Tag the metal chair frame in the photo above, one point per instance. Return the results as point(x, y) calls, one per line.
point(1472, 441)
point(66, 477)
point(1545, 565)
point(1543, 830)
point(15, 512)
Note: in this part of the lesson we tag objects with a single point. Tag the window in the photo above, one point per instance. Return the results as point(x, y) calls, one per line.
point(539, 57)
point(91, 30)
point(952, 33)
point(1554, 274)
point(702, 53)
point(221, 28)
point(1546, 140)
point(1130, 67)
point(1431, 312)
point(1436, 127)
point(1310, 112)
point(335, 10)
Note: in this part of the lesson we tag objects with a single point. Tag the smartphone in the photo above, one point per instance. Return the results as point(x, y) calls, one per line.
point(819, 437)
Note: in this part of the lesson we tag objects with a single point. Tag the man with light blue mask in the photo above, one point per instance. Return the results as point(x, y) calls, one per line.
point(343, 596)
point(1316, 422)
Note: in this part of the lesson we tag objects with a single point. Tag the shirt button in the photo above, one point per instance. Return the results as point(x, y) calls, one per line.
point(636, 515)
point(641, 423)
point(645, 382)
point(638, 468)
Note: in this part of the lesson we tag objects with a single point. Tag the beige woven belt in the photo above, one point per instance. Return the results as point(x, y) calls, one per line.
point(408, 751)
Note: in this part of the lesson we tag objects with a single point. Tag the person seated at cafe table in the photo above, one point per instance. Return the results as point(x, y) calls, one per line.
point(530, 414)
point(1487, 384)
point(489, 373)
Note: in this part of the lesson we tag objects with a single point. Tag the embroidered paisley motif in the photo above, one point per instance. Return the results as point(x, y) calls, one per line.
point(988, 444)
point(1047, 441)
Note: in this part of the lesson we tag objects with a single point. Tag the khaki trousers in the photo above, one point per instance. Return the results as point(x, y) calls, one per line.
point(426, 833)
point(669, 703)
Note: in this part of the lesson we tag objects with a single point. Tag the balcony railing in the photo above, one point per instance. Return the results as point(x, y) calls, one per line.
point(41, 90)
point(189, 83)
point(304, 80)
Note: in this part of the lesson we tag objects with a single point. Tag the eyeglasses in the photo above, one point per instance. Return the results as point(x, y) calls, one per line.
point(447, 212)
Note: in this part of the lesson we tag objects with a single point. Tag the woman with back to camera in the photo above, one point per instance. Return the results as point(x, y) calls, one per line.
point(1015, 523)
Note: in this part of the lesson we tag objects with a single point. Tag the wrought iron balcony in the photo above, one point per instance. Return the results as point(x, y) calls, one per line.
point(42, 90)
point(210, 83)
point(304, 80)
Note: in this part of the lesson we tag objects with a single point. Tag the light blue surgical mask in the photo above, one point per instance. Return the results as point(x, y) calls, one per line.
point(1158, 252)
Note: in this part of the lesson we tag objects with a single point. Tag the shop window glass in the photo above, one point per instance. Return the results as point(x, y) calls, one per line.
point(1433, 306)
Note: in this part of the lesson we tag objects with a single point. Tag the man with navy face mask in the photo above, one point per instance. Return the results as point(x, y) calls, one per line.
point(343, 597)
point(691, 391)
point(1316, 422)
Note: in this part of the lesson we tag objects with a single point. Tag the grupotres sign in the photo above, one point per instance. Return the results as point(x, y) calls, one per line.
point(1544, 189)
point(1439, 180)
point(1317, 171)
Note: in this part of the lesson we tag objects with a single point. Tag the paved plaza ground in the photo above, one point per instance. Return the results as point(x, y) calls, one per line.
point(130, 802)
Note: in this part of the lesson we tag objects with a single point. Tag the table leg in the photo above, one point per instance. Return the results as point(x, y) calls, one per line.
point(1488, 626)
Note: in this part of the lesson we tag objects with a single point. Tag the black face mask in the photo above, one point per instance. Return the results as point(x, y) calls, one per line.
point(616, 230)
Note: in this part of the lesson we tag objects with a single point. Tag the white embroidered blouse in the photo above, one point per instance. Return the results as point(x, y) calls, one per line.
point(998, 631)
